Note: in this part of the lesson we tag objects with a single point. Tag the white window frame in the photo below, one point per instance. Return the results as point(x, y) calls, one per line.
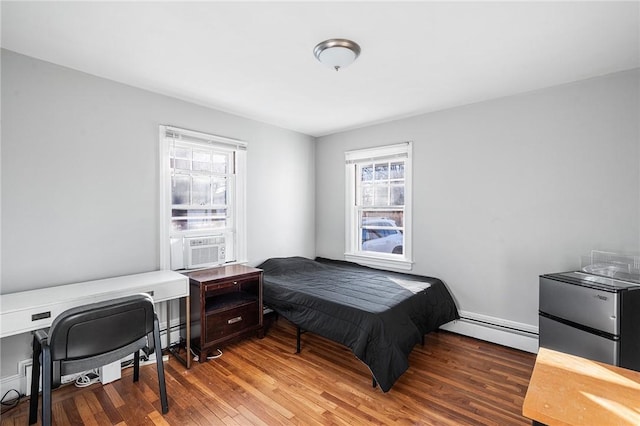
point(237, 207)
point(353, 252)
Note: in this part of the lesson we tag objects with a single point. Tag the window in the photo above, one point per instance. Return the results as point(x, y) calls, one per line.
point(378, 204)
point(202, 197)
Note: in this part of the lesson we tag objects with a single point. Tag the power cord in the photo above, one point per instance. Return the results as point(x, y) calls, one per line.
point(11, 403)
point(87, 379)
point(196, 357)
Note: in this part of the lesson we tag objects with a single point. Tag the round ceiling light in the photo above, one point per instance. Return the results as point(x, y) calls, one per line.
point(337, 52)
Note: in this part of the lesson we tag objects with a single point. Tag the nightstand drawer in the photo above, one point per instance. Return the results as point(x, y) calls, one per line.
point(231, 321)
point(218, 288)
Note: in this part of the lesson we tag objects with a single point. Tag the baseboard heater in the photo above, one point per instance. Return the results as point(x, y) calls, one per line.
point(496, 330)
point(497, 326)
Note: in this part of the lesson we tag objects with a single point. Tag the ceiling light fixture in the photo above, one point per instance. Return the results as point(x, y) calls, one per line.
point(337, 52)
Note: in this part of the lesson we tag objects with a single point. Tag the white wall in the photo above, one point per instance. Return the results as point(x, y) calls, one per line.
point(80, 179)
point(508, 189)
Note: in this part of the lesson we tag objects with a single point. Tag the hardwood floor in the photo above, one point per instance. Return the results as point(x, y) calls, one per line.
point(452, 380)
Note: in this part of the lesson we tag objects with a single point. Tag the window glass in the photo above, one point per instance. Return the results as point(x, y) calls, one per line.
point(397, 195)
point(366, 192)
point(381, 195)
point(220, 163)
point(180, 189)
point(201, 190)
point(397, 170)
point(180, 158)
point(367, 173)
point(381, 233)
point(219, 191)
point(201, 160)
point(382, 171)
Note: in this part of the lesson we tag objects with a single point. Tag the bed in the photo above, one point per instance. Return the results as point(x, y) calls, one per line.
point(379, 315)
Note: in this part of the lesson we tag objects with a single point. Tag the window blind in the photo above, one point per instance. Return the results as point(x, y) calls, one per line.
point(185, 135)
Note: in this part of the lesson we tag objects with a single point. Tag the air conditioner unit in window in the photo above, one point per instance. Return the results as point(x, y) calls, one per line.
point(204, 251)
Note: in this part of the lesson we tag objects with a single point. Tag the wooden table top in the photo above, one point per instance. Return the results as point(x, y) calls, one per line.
point(221, 273)
point(570, 390)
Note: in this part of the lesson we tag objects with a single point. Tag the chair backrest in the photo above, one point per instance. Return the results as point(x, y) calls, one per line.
point(99, 328)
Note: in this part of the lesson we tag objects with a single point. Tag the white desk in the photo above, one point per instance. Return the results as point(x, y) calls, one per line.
point(31, 310)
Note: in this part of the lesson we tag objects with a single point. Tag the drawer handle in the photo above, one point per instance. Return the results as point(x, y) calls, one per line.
point(235, 283)
point(41, 315)
point(234, 320)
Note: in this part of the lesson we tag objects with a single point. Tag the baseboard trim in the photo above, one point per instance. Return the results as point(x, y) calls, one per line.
point(496, 330)
point(15, 382)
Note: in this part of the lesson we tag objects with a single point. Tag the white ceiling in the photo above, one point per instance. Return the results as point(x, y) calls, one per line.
point(255, 59)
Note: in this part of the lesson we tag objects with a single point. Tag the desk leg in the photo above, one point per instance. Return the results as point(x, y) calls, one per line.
point(168, 305)
point(188, 330)
point(187, 359)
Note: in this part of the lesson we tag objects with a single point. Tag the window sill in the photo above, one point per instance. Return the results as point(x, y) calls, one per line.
point(379, 262)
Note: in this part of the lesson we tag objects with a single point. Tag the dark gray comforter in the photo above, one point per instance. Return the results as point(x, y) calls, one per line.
point(379, 315)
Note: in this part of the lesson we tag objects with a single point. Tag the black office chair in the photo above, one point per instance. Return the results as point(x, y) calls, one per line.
point(91, 336)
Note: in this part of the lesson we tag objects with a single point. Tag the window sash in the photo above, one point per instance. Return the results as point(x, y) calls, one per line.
point(200, 181)
point(382, 188)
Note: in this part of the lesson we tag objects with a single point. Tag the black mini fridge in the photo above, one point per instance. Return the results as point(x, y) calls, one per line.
point(591, 316)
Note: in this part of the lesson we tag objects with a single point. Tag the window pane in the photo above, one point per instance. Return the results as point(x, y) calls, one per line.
point(366, 195)
point(366, 173)
point(397, 170)
point(382, 171)
point(220, 163)
point(181, 158)
point(180, 189)
point(380, 231)
point(201, 190)
point(397, 195)
point(201, 160)
point(219, 191)
point(381, 195)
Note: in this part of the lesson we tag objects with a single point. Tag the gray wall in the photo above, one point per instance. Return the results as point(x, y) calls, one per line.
point(508, 189)
point(80, 179)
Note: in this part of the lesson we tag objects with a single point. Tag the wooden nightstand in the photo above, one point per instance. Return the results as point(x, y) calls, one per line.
point(226, 305)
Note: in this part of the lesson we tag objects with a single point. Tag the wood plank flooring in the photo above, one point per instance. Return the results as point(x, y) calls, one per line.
point(452, 380)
